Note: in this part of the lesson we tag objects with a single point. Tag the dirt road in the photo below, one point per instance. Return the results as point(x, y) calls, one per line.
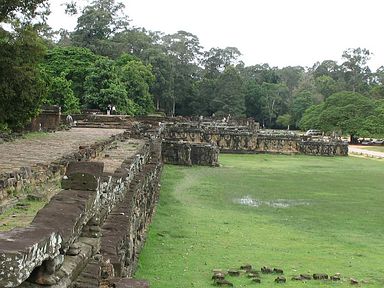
point(357, 150)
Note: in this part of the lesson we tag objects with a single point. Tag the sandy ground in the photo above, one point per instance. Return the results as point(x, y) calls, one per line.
point(357, 150)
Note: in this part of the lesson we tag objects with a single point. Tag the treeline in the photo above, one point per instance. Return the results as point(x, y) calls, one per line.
point(106, 61)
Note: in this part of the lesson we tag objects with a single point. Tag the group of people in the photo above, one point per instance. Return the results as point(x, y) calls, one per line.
point(111, 109)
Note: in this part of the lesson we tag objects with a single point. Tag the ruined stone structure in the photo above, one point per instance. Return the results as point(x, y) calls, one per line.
point(15, 181)
point(186, 153)
point(49, 119)
point(91, 232)
point(248, 139)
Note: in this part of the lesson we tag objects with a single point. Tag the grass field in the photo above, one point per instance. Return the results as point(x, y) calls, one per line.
point(299, 213)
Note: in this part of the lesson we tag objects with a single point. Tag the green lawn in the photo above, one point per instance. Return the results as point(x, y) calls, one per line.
point(309, 215)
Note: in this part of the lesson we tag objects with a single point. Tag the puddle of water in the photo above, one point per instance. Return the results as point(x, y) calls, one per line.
point(278, 203)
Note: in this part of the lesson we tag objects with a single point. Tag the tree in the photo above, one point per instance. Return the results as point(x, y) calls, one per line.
point(9, 9)
point(184, 50)
point(356, 70)
point(345, 111)
point(261, 73)
point(184, 46)
point(377, 91)
point(74, 64)
point(162, 69)
point(274, 100)
point(326, 86)
point(134, 41)
point(342, 111)
point(229, 93)
point(254, 94)
point(373, 125)
point(328, 68)
point(311, 117)
point(377, 86)
point(291, 76)
point(137, 78)
point(301, 102)
point(97, 24)
point(202, 103)
point(216, 59)
point(103, 87)
point(22, 87)
point(284, 120)
point(60, 93)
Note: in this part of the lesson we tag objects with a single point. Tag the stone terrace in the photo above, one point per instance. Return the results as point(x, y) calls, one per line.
point(117, 152)
point(46, 148)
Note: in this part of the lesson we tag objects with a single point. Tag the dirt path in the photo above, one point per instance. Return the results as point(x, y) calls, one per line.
point(357, 150)
point(45, 148)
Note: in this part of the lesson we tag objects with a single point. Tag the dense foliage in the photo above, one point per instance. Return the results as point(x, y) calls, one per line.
point(106, 61)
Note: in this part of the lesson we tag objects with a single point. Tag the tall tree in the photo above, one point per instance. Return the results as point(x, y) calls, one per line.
point(162, 69)
point(311, 117)
point(185, 51)
point(134, 41)
point(356, 69)
point(301, 102)
point(12, 8)
point(216, 59)
point(343, 111)
point(274, 101)
point(103, 87)
point(254, 94)
point(60, 93)
point(22, 87)
point(373, 125)
point(74, 64)
point(328, 68)
point(97, 24)
point(261, 73)
point(326, 86)
point(137, 78)
point(291, 76)
point(229, 93)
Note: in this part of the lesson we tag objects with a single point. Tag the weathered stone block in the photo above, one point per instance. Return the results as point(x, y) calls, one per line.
point(82, 176)
point(80, 181)
point(24, 249)
point(174, 152)
point(93, 168)
point(185, 153)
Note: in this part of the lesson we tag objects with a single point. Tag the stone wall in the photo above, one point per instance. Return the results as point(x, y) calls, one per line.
point(16, 181)
point(241, 139)
point(90, 233)
point(317, 148)
point(48, 120)
point(187, 153)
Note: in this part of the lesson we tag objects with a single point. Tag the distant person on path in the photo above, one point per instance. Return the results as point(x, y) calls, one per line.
point(113, 110)
point(109, 108)
point(69, 120)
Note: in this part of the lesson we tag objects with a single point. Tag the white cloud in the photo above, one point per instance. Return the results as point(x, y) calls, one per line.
point(279, 32)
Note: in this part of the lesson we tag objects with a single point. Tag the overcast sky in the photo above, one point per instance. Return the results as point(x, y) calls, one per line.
point(278, 32)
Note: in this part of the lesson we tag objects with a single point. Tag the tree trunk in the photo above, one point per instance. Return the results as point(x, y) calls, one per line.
point(354, 139)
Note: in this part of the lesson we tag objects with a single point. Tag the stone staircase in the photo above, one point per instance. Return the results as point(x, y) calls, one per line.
point(106, 121)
